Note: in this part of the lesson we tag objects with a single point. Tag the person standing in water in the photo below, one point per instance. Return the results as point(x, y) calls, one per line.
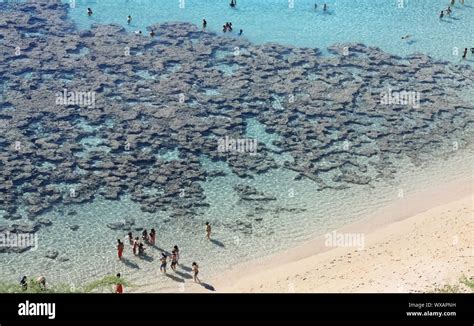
point(465, 54)
point(24, 283)
point(233, 3)
point(176, 250)
point(174, 260)
point(163, 263)
point(195, 269)
point(240, 32)
point(208, 231)
point(204, 23)
point(441, 15)
point(135, 246)
point(453, 2)
point(129, 19)
point(118, 286)
point(120, 247)
point(325, 7)
point(89, 12)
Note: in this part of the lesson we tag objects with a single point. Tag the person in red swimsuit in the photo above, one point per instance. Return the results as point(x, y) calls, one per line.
point(118, 286)
point(120, 247)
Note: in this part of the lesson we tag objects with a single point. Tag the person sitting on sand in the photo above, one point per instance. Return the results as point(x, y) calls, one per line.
point(195, 269)
point(118, 286)
point(89, 12)
point(163, 262)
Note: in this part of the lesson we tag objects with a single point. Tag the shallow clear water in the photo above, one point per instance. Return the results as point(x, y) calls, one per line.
point(243, 231)
point(379, 23)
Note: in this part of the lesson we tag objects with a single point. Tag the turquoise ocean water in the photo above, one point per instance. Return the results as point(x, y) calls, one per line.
point(240, 234)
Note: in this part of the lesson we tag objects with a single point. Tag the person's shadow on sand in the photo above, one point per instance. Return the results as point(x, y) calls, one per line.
point(130, 263)
point(185, 268)
point(175, 278)
point(146, 257)
point(217, 243)
point(183, 275)
point(207, 286)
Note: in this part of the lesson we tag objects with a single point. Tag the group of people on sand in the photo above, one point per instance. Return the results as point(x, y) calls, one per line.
point(149, 238)
point(41, 281)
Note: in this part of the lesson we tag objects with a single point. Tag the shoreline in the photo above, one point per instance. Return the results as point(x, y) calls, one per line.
point(452, 203)
point(396, 220)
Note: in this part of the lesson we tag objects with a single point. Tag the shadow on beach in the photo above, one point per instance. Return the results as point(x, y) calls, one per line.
point(174, 278)
point(146, 257)
point(207, 286)
point(217, 243)
point(130, 263)
point(185, 268)
point(184, 275)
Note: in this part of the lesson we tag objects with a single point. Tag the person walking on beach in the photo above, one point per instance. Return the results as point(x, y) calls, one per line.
point(464, 54)
point(129, 19)
point(176, 250)
point(118, 286)
point(174, 260)
point(120, 247)
point(195, 269)
point(163, 263)
point(135, 246)
point(208, 231)
point(89, 12)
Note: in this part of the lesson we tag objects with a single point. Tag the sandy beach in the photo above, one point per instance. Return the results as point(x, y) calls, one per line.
point(416, 254)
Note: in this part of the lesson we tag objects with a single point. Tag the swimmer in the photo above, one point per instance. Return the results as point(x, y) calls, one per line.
point(195, 269)
point(208, 231)
point(163, 263)
point(240, 32)
point(176, 250)
point(441, 15)
point(406, 37)
point(453, 2)
point(129, 19)
point(232, 3)
point(174, 260)
point(325, 7)
point(204, 23)
point(448, 11)
point(120, 247)
point(118, 286)
point(89, 12)
point(464, 54)
point(152, 236)
point(138, 32)
point(472, 50)
point(135, 246)
point(315, 6)
point(24, 283)
point(224, 28)
point(130, 238)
